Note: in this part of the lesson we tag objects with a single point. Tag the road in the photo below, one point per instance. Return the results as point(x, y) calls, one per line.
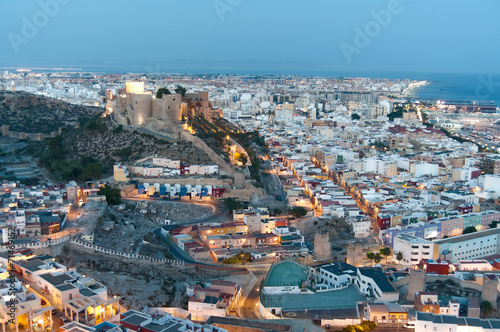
point(240, 150)
point(250, 305)
point(218, 215)
point(273, 187)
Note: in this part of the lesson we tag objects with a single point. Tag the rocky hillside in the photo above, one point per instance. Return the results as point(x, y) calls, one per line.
point(25, 112)
point(87, 152)
point(109, 144)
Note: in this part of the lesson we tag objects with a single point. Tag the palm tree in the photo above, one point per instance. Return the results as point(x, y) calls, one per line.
point(377, 258)
point(399, 256)
point(370, 256)
point(486, 308)
point(385, 252)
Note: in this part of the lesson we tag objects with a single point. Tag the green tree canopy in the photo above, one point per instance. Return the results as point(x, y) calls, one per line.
point(386, 252)
point(162, 91)
point(470, 229)
point(355, 116)
point(243, 159)
point(371, 257)
point(298, 211)
point(113, 195)
point(377, 258)
point(232, 204)
point(92, 172)
point(399, 256)
point(181, 90)
point(486, 308)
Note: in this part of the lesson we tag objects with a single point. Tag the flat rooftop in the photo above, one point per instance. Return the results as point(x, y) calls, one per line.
point(470, 236)
point(338, 299)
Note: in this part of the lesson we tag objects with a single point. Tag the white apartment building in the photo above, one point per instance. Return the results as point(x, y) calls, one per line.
point(469, 246)
point(361, 227)
point(334, 275)
point(424, 169)
point(414, 249)
point(374, 284)
point(492, 183)
point(384, 167)
point(428, 322)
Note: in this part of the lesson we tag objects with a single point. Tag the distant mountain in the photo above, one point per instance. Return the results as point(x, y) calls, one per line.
point(178, 66)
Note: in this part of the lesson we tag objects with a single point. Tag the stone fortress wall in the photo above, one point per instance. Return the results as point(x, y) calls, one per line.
point(136, 106)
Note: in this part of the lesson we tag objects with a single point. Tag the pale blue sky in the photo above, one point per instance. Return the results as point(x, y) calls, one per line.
point(422, 35)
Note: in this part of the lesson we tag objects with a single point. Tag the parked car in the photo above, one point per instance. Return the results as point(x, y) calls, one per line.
point(410, 325)
point(337, 248)
point(43, 302)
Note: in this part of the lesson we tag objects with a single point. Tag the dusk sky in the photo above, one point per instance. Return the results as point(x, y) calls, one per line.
point(417, 36)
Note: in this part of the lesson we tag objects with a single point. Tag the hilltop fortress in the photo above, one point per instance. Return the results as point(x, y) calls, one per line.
point(134, 106)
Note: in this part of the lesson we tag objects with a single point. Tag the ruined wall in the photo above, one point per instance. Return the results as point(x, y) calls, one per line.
point(490, 291)
point(322, 246)
point(416, 284)
point(354, 254)
point(141, 106)
point(239, 180)
point(31, 136)
point(171, 108)
point(157, 108)
point(199, 143)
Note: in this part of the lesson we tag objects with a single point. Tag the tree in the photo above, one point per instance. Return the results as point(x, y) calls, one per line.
point(445, 237)
point(355, 116)
point(298, 211)
point(232, 204)
point(486, 308)
point(494, 224)
point(181, 90)
point(161, 92)
point(468, 230)
point(351, 328)
point(371, 257)
point(243, 159)
point(247, 257)
point(377, 258)
point(368, 325)
point(113, 195)
point(399, 256)
point(92, 172)
point(385, 252)
point(277, 212)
